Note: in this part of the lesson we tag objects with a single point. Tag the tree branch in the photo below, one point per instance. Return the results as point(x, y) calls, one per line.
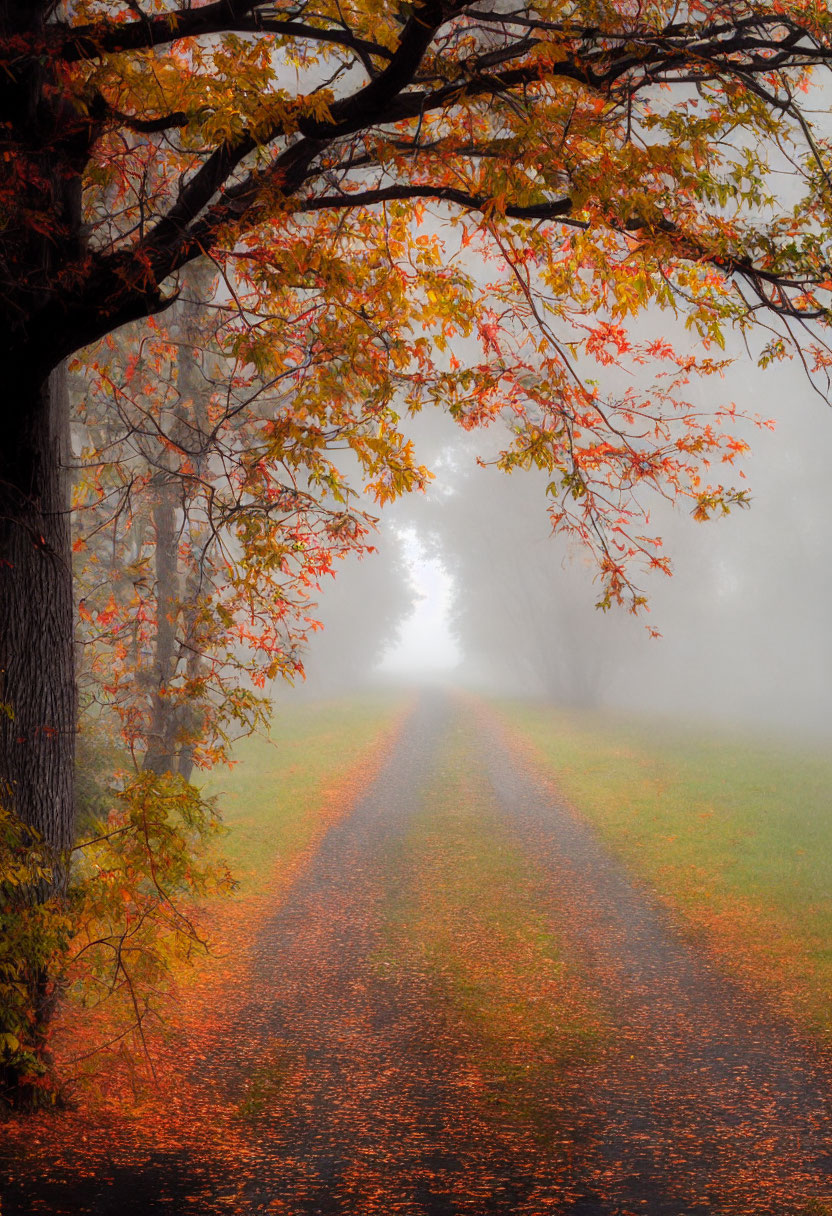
point(206, 204)
point(553, 209)
point(73, 44)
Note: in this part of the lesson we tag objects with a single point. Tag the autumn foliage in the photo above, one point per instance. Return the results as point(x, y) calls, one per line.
point(594, 161)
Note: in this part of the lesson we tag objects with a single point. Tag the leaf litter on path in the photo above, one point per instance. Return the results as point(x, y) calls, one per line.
point(329, 1083)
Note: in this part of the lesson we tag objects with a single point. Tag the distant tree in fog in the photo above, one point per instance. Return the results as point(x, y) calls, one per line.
point(206, 518)
point(360, 611)
point(523, 606)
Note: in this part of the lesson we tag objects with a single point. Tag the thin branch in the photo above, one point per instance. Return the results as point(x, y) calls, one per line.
point(84, 42)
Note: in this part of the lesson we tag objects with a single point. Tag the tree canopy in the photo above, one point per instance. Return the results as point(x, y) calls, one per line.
point(602, 156)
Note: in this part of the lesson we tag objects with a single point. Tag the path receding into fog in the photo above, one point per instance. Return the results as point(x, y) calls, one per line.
point(370, 1103)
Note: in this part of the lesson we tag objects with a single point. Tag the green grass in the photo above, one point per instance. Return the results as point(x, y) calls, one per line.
point(267, 1083)
point(733, 831)
point(466, 912)
point(273, 799)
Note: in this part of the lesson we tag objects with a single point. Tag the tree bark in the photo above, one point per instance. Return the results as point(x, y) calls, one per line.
point(42, 233)
point(175, 723)
point(161, 744)
point(37, 662)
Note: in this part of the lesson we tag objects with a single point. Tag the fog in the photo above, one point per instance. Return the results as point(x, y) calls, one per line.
point(469, 585)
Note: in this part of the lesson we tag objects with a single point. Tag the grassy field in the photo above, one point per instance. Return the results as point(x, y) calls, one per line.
point(735, 832)
point(466, 914)
point(285, 788)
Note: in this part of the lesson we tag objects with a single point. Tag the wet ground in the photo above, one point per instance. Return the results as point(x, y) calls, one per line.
point(368, 1101)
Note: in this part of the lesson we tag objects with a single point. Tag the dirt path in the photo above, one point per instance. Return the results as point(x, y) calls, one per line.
point(385, 1118)
point(368, 1102)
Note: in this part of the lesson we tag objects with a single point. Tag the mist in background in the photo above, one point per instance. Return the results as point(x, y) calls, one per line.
point(469, 584)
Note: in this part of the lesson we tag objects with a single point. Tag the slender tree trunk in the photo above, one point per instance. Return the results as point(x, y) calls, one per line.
point(193, 391)
point(174, 724)
point(37, 663)
point(161, 746)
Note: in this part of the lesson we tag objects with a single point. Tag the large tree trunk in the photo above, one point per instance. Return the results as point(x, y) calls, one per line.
point(37, 665)
point(49, 145)
point(37, 670)
point(37, 698)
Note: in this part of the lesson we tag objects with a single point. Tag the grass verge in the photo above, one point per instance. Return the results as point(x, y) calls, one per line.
point(277, 803)
point(733, 831)
point(284, 790)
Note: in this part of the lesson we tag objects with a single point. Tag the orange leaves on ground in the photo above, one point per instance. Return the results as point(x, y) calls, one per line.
point(195, 1099)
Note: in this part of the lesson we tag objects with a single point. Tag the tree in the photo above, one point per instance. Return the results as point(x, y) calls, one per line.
point(605, 155)
point(207, 516)
point(523, 615)
point(360, 612)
